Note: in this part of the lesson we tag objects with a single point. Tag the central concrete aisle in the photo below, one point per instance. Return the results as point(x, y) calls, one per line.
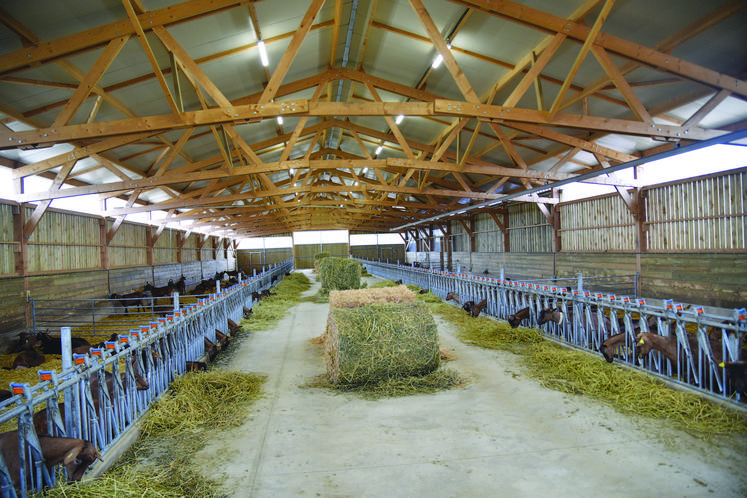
point(502, 435)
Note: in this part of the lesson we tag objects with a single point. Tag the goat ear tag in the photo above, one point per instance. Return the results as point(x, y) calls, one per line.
point(640, 342)
point(722, 365)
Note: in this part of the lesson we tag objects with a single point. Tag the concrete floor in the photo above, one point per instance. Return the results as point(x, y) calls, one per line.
point(502, 435)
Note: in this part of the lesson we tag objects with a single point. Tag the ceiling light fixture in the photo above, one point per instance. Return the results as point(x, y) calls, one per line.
point(365, 170)
point(378, 150)
point(291, 171)
point(263, 53)
point(399, 119)
point(280, 120)
point(439, 58)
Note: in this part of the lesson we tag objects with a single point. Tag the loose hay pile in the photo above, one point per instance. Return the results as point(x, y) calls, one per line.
point(271, 309)
point(174, 430)
point(212, 398)
point(340, 273)
point(379, 342)
point(579, 372)
point(363, 297)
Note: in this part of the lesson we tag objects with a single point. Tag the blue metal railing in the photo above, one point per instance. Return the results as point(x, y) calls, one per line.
point(589, 317)
point(155, 352)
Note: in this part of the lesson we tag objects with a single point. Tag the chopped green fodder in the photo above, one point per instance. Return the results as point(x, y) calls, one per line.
point(159, 463)
point(340, 273)
point(383, 283)
point(138, 473)
point(574, 371)
point(204, 399)
point(380, 341)
point(438, 380)
point(579, 372)
point(268, 312)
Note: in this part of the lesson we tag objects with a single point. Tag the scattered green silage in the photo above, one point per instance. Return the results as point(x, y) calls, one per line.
point(270, 310)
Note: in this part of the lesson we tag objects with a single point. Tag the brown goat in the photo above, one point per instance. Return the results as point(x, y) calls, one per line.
point(645, 342)
point(75, 454)
point(451, 296)
point(233, 327)
point(28, 358)
point(515, 319)
point(476, 309)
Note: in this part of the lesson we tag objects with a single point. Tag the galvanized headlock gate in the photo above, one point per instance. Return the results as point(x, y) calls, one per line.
point(585, 319)
point(109, 389)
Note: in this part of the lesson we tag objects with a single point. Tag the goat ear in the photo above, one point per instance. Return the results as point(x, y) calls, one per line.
point(72, 455)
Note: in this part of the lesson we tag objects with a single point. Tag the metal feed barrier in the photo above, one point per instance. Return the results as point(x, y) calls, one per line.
point(588, 322)
point(156, 351)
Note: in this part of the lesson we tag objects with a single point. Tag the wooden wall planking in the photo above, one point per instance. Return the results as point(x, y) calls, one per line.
point(192, 271)
point(12, 304)
point(163, 273)
point(74, 285)
point(710, 279)
point(126, 280)
point(383, 251)
point(600, 224)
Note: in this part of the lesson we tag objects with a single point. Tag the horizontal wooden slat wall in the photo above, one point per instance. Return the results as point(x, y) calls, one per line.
point(599, 224)
point(703, 278)
point(7, 244)
point(163, 273)
point(12, 304)
point(488, 237)
point(74, 285)
point(304, 254)
point(382, 252)
point(129, 246)
point(254, 260)
point(126, 280)
point(64, 260)
point(192, 272)
point(568, 265)
point(708, 214)
point(528, 229)
point(63, 242)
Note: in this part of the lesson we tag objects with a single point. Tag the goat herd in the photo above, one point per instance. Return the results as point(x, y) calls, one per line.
point(646, 342)
point(140, 300)
point(76, 455)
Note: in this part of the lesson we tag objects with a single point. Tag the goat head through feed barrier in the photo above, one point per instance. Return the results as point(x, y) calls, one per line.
point(75, 454)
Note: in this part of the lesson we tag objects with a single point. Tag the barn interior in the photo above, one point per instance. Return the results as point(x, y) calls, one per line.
point(146, 140)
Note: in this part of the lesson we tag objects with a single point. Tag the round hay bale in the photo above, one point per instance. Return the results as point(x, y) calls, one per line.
point(380, 341)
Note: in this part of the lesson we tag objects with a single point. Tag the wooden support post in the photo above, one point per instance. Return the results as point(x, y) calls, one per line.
point(21, 256)
point(448, 246)
point(149, 243)
point(104, 243)
point(179, 243)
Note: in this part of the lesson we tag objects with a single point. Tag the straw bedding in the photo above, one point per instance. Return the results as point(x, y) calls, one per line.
point(380, 341)
point(363, 297)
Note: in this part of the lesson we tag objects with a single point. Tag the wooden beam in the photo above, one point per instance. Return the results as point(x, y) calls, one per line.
point(91, 79)
point(290, 53)
point(590, 37)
